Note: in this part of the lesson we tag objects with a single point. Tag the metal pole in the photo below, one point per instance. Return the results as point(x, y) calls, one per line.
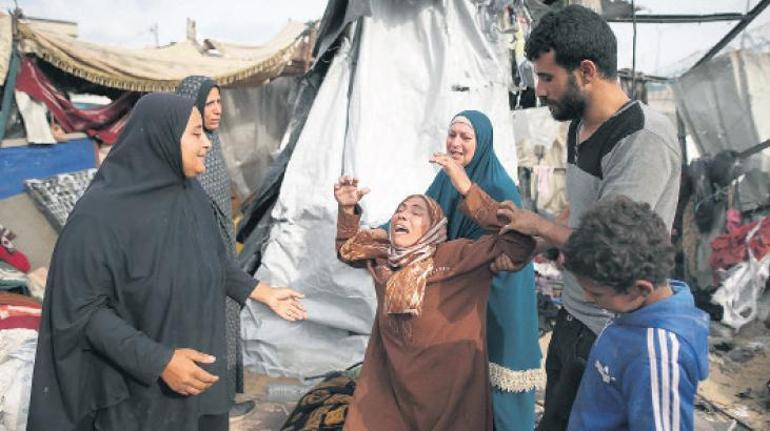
point(734, 32)
point(10, 81)
point(681, 134)
point(679, 18)
point(633, 53)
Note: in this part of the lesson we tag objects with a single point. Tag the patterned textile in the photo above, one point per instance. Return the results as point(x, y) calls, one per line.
point(6, 236)
point(159, 69)
point(405, 290)
point(324, 407)
point(363, 245)
point(216, 182)
point(426, 245)
point(56, 196)
point(12, 279)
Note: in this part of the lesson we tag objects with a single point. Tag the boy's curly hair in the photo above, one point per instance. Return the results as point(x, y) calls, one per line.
point(618, 242)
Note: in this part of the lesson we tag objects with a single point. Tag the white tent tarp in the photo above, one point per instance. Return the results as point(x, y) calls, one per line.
point(726, 103)
point(381, 111)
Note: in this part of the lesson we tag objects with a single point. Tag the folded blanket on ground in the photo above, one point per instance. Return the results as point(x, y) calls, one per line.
point(56, 196)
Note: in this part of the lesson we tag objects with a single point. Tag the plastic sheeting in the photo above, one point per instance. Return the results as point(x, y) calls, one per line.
point(6, 44)
point(381, 111)
point(743, 286)
point(726, 103)
point(35, 116)
point(254, 121)
point(42, 161)
point(17, 360)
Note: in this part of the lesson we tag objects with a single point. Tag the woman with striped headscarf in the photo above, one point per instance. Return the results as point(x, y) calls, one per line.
point(426, 363)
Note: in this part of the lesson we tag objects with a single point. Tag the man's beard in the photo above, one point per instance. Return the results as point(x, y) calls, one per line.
point(570, 106)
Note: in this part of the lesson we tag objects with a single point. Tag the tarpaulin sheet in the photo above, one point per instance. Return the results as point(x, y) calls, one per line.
point(254, 120)
point(725, 103)
point(104, 123)
point(35, 116)
point(41, 161)
point(6, 44)
point(382, 110)
point(161, 69)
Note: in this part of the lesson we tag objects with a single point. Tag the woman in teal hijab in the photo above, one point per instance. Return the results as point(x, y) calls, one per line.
point(512, 326)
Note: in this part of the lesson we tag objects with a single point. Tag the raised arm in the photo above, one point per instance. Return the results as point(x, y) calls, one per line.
point(462, 256)
point(479, 206)
point(355, 245)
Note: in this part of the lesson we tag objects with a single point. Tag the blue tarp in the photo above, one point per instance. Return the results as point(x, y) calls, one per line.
point(42, 161)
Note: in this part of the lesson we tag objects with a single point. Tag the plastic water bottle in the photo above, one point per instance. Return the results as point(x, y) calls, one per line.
point(286, 392)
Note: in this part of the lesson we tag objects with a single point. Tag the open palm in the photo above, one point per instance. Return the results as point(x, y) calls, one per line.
point(347, 193)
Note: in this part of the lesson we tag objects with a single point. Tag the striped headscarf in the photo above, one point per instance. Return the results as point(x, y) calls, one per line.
point(405, 289)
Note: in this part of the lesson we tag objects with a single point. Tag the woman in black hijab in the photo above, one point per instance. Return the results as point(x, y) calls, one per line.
point(216, 183)
point(133, 334)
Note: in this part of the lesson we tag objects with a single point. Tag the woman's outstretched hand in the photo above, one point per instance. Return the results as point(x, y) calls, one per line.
point(347, 193)
point(283, 301)
point(454, 170)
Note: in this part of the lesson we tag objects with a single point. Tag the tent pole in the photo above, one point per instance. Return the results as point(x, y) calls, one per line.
point(679, 18)
point(10, 81)
point(633, 52)
point(681, 132)
point(734, 32)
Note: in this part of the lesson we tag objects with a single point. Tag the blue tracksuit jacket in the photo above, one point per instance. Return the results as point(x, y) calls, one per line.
point(644, 369)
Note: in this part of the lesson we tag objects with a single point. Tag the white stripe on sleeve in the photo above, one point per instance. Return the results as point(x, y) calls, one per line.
point(674, 381)
point(665, 388)
point(653, 378)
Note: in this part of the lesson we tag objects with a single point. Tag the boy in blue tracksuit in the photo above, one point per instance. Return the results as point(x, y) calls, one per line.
point(644, 368)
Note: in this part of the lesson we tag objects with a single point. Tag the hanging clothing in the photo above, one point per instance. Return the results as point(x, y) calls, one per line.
point(103, 123)
point(512, 325)
point(428, 371)
point(138, 271)
point(216, 182)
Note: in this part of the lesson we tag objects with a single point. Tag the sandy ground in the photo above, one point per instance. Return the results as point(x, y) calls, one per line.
point(268, 416)
point(738, 378)
point(34, 235)
point(734, 397)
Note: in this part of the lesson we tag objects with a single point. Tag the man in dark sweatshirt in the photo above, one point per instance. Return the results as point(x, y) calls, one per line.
point(644, 368)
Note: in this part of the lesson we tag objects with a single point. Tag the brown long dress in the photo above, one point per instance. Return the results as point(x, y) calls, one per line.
point(430, 372)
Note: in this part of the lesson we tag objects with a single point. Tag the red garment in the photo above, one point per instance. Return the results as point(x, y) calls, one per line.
point(7, 298)
point(730, 249)
point(16, 259)
point(19, 312)
point(104, 123)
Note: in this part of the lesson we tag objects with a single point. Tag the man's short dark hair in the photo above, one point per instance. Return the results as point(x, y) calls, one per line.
point(575, 33)
point(619, 242)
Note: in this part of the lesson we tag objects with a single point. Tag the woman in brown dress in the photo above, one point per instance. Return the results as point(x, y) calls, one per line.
point(425, 367)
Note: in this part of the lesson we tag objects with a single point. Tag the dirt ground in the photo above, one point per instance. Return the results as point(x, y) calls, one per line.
point(734, 397)
point(268, 416)
point(738, 379)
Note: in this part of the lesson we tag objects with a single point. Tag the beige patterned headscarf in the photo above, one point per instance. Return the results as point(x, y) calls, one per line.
point(405, 289)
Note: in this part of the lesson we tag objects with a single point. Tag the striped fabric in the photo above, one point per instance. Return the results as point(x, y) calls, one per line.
point(663, 354)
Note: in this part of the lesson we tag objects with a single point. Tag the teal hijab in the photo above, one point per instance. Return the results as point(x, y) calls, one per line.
point(485, 170)
point(512, 325)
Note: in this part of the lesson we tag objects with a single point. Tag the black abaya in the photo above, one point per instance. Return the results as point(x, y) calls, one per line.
point(130, 281)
